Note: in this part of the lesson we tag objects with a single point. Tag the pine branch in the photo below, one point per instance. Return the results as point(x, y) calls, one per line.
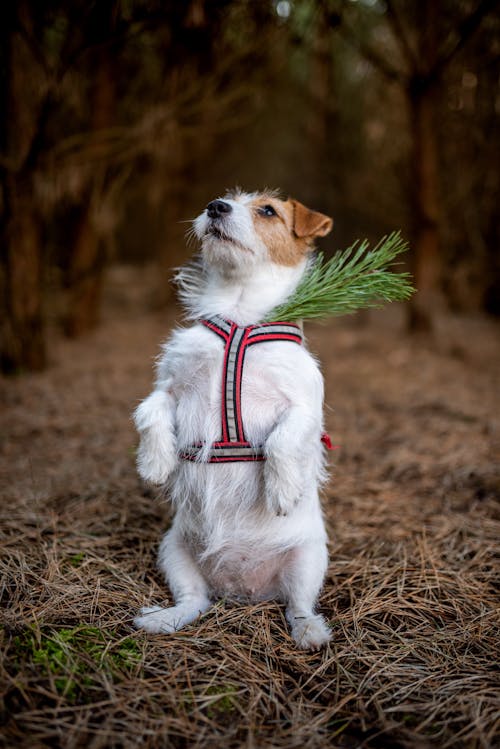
point(354, 279)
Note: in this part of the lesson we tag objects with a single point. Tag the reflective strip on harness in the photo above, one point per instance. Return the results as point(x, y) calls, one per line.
point(233, 445)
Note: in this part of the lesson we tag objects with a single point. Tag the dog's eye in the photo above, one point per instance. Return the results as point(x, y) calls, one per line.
point(267, 210)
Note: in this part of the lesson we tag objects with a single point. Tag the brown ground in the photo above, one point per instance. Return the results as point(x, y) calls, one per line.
point(414, 526)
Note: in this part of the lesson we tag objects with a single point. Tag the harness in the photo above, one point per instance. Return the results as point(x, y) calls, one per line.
point(233, 445)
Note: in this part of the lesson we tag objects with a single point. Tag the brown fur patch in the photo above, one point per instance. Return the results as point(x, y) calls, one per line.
point(289, 235)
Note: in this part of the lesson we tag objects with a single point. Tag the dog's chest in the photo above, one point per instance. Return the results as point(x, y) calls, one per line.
point(199, 387)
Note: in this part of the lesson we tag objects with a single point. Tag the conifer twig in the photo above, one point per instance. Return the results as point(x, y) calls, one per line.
point(354, 279)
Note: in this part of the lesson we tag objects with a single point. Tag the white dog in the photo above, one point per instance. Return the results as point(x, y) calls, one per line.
point(234, 424)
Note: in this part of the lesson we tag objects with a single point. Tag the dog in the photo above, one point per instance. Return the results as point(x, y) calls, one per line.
point(232, 430)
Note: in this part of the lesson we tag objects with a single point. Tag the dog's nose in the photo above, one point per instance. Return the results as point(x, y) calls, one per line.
point(218, 208)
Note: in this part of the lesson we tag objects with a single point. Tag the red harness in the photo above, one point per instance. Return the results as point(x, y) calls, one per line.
point(233, 445)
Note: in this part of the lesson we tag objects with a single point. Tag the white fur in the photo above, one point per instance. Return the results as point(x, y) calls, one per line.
point(245, 530)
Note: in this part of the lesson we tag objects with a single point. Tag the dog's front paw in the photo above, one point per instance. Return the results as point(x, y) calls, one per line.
point(279, 503)
point(157, 452)
point(310, 632)
point(282, 490)
point(155, 459)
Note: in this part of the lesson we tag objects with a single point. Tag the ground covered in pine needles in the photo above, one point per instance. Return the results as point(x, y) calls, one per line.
point(412, 589)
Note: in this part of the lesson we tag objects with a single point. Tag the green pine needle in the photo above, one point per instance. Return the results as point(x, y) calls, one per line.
point(354, 279)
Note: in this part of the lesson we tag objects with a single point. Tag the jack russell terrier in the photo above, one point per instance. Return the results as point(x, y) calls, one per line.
point(233, 428)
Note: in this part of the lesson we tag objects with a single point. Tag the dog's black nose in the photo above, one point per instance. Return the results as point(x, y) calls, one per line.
point(217, 208)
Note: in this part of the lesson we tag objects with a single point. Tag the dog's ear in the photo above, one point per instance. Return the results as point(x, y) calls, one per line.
point(309, 224)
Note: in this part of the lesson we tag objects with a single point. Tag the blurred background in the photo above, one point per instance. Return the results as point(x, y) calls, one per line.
point(121, 119)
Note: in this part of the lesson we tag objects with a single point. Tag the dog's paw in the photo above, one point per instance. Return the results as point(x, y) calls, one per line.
point(155, 461)
point(280, 504)
point(157, 452)
point(155, 619)
point(310, 632)
point(282, 491)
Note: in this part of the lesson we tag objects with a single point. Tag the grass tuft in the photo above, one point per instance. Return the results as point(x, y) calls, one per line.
point(70, 659)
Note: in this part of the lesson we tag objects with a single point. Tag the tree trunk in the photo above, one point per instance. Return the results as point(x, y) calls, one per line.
point(425, 258)
point(320, 86)
point(322, 112)
point(22, 340)
point(87, 260)
point(22, 328)
point(84, 276)
point(421, 94)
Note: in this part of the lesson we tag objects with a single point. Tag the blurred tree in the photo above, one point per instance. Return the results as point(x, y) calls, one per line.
point(75, 131)
point(43, 44)
point(25, 107)
point(428, 36)
point(121, 119)
point(469, 143)
point(87, 259)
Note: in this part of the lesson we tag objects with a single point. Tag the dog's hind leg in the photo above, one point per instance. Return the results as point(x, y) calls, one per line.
point(186, 583)
point(301, 583)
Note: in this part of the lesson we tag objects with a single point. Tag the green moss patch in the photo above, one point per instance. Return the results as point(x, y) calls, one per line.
point(74, 660)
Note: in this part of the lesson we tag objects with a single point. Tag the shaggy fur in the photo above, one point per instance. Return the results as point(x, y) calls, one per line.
point(245, 530)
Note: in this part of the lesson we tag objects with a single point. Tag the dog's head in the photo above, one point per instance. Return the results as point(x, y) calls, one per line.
point(243, 229)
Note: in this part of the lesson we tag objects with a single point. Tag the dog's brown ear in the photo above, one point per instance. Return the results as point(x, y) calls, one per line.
point(307, 223)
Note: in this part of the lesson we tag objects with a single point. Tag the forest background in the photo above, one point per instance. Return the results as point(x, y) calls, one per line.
point(122, 119)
